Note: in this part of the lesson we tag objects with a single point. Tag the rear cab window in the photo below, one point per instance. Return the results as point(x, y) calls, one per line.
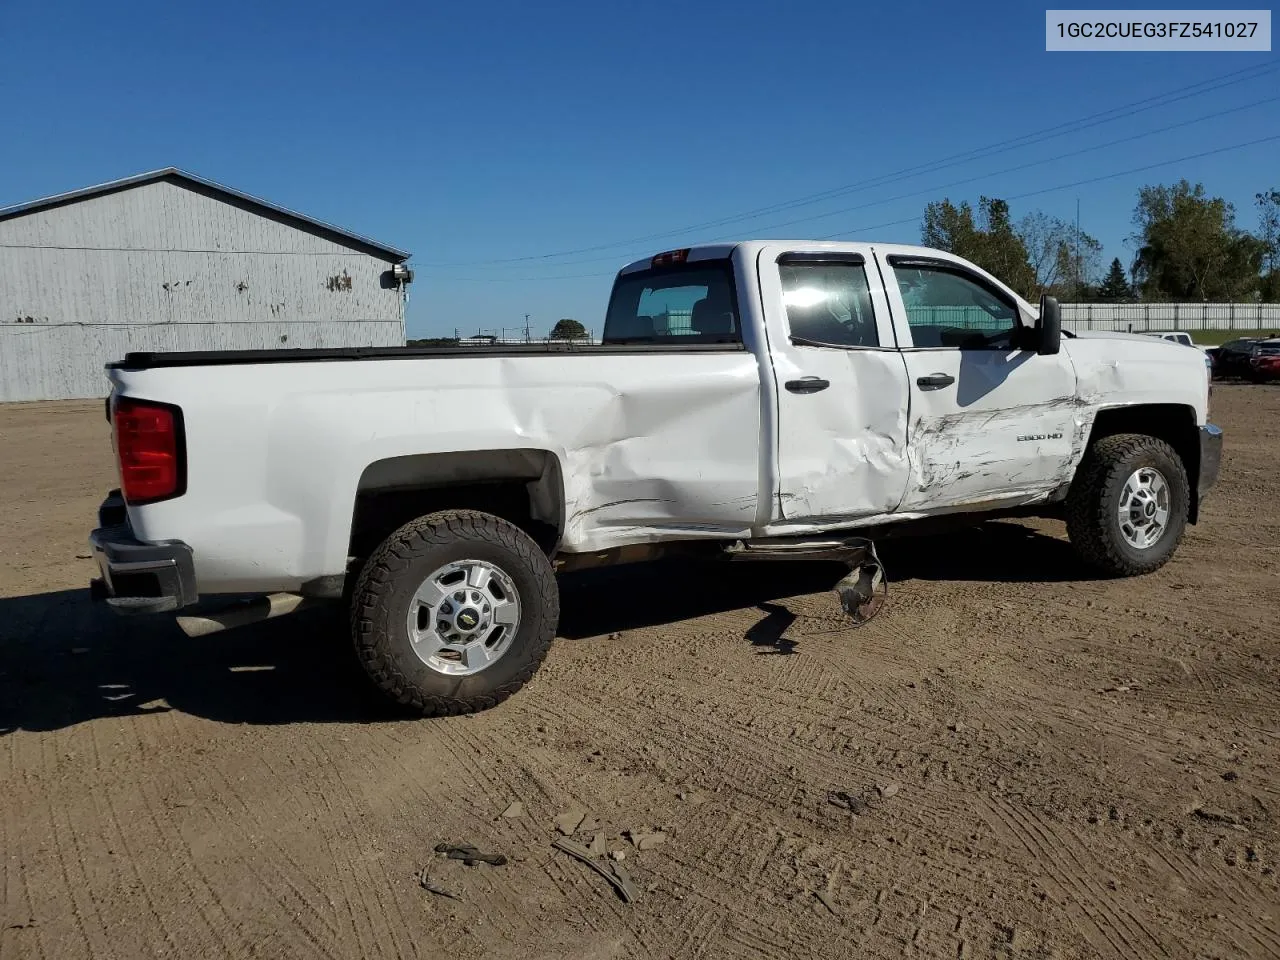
point(828, 301)
point(675, 303)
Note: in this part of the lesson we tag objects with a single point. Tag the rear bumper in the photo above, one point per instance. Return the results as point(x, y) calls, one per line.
point(138, 577)
point(1210, 459)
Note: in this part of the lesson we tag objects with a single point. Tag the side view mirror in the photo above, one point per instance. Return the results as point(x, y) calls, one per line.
point(1049, 327)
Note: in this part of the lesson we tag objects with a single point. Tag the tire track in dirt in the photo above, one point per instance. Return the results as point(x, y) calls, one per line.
point(86, 920)
point(1119, 929)
point(755, 764)
point(706, 859)
point(481, 757)
point(21, 909)
point(359, 925)
point(705, 863)
point(111, 826)
point(1223, 883)
point(290, 903)
point(201, 888)
point(389, 938)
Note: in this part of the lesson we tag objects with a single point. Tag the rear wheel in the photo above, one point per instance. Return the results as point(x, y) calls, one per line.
point(454, 612)
point(1128, 505)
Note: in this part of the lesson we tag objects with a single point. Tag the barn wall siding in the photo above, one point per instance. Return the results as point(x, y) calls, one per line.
point(162, 267)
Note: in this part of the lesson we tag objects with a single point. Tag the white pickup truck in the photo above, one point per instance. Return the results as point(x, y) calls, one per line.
point(750, 400)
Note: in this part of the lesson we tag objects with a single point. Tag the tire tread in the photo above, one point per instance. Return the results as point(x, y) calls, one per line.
point(1088, 510)
point(395, 554)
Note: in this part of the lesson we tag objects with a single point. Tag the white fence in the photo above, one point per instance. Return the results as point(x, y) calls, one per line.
point(1156, 317)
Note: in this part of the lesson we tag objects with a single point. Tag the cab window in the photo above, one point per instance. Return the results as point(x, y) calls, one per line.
point(828, 304)
point(948, 308)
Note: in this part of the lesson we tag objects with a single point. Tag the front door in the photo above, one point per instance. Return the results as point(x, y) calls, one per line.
point(991, 423)
point(841, 384)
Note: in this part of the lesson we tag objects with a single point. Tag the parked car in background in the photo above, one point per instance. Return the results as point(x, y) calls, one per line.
point(1264, 361)
point(1178, 336)
point(1232, 358)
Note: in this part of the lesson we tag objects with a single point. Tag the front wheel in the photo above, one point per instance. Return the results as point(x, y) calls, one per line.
point(1127, 508)
point(454, 612)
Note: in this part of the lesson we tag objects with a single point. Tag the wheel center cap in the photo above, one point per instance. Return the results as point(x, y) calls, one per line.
point(1149, 510)
point(467, 619)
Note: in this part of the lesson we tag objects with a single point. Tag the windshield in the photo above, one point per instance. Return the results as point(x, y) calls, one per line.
point(680, 303)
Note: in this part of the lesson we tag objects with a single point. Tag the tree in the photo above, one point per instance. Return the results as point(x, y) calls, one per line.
point(1269, 233)
point(1062, 258)
point(568, 329)
point(989, 241)
point(1189, 247)
point(951, 228)
point(1115, 285)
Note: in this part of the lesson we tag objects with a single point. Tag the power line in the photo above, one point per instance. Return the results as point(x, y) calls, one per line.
point(916, 219)
point(1087, 180)
point(1013, 169)
point(1048, 133)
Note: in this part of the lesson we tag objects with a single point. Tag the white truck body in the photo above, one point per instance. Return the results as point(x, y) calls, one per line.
point(745, 432)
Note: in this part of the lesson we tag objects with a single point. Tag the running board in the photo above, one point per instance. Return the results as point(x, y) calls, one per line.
point(851, 550)
point(862, 591)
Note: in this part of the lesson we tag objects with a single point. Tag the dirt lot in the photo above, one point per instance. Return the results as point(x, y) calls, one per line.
point(1070, 768)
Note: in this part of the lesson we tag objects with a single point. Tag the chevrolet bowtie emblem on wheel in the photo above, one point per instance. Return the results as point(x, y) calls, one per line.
point(468, 619)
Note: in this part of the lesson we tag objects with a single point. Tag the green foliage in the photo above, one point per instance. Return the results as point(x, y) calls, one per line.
point(1115, 286)
point(1189, 247)
point(1269, 233)
point(992, 241)
point(568, 329)
point(1062, 257)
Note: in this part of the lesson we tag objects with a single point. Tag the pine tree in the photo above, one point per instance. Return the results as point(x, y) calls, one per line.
point(1115, 287)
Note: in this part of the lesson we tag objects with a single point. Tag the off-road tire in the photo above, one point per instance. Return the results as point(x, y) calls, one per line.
point(392, 574)
point(1094, 500)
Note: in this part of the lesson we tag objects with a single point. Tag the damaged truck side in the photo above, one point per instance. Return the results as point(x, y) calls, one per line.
point(758, 400)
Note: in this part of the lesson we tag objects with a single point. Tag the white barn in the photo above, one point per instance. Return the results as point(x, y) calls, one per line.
point(170, 261)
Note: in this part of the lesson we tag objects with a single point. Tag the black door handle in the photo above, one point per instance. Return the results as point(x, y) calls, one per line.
point(807, 385)
point(935, 381)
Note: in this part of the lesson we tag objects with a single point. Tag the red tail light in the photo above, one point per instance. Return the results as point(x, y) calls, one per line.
point(149, 448)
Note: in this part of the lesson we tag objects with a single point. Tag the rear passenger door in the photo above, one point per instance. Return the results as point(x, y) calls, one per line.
point(991, 421)
point(840, 384)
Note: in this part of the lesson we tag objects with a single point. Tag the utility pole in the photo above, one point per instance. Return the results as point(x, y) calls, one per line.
point(527, 337)
point(1079, 279)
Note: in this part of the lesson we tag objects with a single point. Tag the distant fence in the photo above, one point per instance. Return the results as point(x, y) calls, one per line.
point(1155, 317)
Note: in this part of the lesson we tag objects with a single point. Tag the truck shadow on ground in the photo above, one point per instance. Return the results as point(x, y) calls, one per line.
point(65, 660)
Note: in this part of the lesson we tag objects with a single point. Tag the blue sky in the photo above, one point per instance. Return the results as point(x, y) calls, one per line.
point(469, 133)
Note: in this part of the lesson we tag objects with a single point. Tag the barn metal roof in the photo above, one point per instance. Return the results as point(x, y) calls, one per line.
point(220, 192)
